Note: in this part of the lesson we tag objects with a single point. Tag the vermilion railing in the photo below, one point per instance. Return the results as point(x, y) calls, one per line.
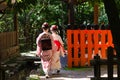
point(82, 45)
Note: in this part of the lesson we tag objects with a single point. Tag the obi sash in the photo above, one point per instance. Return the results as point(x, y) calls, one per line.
point(58, 44)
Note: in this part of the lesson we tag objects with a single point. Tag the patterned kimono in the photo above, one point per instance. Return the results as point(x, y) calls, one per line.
point(45, 55)
point(56, 65)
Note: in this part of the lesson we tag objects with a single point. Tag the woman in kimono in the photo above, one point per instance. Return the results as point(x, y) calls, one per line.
point(56, 65)
point(45, 55)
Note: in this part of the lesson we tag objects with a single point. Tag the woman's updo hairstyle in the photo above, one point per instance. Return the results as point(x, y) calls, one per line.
point(54, 28)
point(45, 25)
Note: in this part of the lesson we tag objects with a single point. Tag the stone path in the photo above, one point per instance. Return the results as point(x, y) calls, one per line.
point(77, 74)
point(70, 74)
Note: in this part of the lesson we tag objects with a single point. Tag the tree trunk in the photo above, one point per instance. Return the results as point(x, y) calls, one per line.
point(16, 27)
point(114, 21)
point(96, 13)
point(71, 13)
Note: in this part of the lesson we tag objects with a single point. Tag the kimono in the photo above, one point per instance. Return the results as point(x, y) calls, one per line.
point(45, 55)
point(56, 64)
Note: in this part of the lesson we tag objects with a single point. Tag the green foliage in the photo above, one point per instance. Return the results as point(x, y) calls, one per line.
point(102, 14)
point(118, 5)
point(46, 11)
point(34, 12)
point(6, 23)
point(84, 13)
point(20, 5)
point(91, 2)
point(31, 19)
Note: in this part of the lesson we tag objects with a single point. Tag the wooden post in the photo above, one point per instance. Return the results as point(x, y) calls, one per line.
point(118, 67)
point(97, 67)
point(96, 13)
point(110, 62)
point(71, 13)
point(16, 27)
point(0, 68)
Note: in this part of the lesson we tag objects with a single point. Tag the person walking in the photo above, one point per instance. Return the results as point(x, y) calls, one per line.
point(45, 48)
point(56, 64)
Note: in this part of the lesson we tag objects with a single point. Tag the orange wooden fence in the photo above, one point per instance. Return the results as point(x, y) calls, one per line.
point(82, 45)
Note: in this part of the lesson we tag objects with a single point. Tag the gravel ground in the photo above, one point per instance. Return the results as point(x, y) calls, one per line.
point(66, 73)
point(70, 74)
point(76, 74)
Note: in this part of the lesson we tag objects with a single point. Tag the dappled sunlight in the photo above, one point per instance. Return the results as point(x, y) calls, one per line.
point(80, 74)
point(63, 78)
point(30, 53)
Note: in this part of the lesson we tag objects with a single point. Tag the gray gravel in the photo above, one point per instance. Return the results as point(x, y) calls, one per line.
point(78, 74)
point(71, 75)
point(65, 74)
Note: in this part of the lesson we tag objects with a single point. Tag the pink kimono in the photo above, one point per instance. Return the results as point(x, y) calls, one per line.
point(45, 55)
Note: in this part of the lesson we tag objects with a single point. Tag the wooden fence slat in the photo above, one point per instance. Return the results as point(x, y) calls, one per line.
point(103, 44)
point(76, 45)
point(70, 47)
point(90, 46)
point(83, 60)
point(7, 44)
point(110, 38)
point(96, 39)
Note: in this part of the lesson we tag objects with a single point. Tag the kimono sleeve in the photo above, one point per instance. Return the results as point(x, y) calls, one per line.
point(62, 50)
point(38, 50)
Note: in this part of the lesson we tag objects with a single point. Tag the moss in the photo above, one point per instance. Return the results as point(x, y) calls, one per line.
point(34, 77)
point(78, 69)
